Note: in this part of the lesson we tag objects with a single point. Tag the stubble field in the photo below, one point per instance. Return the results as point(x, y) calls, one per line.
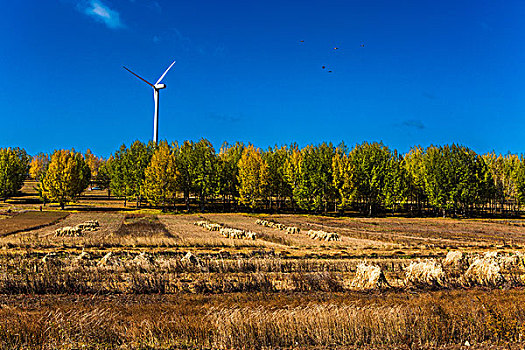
point(130, 282)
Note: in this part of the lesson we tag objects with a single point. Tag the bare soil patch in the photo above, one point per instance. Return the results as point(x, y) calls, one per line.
point(30, 220)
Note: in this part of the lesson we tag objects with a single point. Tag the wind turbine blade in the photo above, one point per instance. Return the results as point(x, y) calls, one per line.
point(162, 76)
point(144, 80)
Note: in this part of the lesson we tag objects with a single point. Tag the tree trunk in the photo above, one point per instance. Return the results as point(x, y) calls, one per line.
point(202, 201)
point(187, 199)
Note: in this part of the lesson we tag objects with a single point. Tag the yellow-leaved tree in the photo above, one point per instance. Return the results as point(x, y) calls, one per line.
point(253, 177)
point(161, 176)
point(67, 176)
point(38, 166)
point(94, 164)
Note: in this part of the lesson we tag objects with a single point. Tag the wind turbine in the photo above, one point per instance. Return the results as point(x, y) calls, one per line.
point(156, 88)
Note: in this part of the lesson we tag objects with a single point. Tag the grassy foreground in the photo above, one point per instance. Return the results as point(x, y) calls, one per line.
point(440, 319)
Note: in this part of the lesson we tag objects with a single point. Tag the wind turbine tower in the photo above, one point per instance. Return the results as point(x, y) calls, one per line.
point(156, 88)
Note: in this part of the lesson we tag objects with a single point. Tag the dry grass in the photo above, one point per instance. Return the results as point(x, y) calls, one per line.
point(262, 321)
point(195, 236)
point(128, 285)
point(413, 231)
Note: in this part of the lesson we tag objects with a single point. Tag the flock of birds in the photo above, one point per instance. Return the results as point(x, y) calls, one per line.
point(325, 67)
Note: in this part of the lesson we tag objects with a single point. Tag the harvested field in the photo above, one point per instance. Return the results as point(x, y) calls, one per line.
point(412, 232)
point(29, 220)
point(45, 236)
point(129, 283)
point(192, 235)
point(299, 240)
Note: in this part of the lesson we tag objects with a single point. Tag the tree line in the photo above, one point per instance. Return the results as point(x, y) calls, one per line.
point(449, 180)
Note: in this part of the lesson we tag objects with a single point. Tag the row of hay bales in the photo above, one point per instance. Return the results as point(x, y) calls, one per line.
point(227, 232)
point(111, 259)
point(78, 230)
point(278, 226)
point(456, 268)
point(313, 234)
point(208, 225)
point(323, 236)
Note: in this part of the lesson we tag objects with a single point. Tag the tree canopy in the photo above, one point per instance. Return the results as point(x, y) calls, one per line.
point(369, 177)
point(67, 176)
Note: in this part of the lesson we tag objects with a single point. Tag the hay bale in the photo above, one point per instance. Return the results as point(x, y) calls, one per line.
point(48, 256)
point(233, 233)
point(93, 222)
point(90, 225)
point(332, 236)
point(68, 231)
point(292, 230)
point(105, 259)
point(323, 236)
point(425, 274)
point(512, 261)
point(490, 255)
point(369, 277)
point(213, 227)
point(82, 256)
point(189, 258)
point(456, 260)
point(264, 223)
point(143, 260)
point(484, 271)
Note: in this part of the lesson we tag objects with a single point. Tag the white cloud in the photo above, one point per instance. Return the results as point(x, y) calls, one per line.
point(101, 13)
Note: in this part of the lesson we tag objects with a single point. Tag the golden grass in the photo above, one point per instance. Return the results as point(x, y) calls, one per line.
point(493, 319)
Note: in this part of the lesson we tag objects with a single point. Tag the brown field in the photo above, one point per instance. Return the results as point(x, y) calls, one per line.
point(125, 284)
point(29, 221)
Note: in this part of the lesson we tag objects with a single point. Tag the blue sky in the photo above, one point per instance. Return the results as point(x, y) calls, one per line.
point(430, 72)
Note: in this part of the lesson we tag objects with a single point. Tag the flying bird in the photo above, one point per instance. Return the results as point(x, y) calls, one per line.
point(329, 71)
point(336, 48)
point(302, 41)
point(362, 45)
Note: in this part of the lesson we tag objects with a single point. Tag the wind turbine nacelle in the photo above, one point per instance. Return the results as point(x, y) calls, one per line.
point(160, 86)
